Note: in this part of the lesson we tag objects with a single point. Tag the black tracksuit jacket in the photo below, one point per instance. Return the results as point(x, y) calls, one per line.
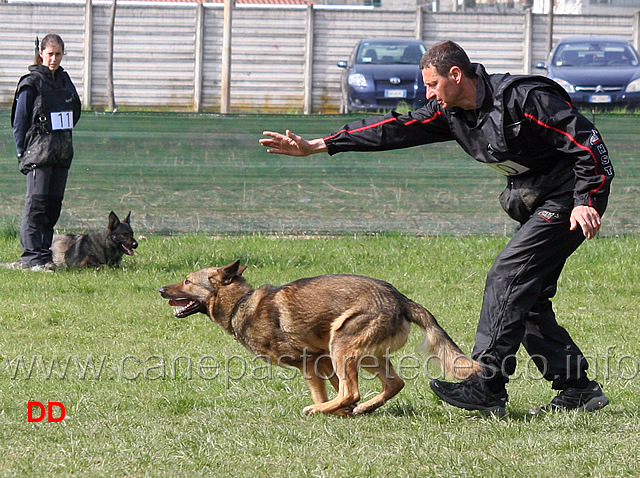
point(525, 128)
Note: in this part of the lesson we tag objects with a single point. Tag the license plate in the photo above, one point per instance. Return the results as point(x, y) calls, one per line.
point(600, 99)
point(395, 93)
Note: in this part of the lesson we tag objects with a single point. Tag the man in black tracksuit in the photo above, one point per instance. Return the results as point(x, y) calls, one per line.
point(558, 176)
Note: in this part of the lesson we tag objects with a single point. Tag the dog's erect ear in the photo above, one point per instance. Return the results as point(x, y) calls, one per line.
point(126, 219)
point(113, 220)
point(228, 273)
point(238, 268)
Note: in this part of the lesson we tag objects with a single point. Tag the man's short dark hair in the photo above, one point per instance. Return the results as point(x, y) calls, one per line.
point(445, 54)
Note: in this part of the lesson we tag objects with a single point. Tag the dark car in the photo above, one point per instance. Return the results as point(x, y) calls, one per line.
point(381, 73)
point(596, 71)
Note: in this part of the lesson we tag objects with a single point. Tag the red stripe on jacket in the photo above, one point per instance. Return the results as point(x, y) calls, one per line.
point(385, 121)
point(574, 141)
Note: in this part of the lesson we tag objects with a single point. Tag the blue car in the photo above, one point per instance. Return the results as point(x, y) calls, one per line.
point(596, 71)
point(381, 73)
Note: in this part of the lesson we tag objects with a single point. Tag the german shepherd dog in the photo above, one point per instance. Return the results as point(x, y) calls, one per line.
point(327, 326)
point(95, 249)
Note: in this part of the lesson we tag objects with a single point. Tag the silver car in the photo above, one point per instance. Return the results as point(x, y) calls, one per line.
point(596, 71)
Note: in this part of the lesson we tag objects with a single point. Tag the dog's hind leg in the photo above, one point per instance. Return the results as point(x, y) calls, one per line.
point(326, 371)
point(391, 385)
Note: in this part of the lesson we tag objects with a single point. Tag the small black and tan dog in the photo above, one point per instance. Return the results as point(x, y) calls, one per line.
point(95, 249)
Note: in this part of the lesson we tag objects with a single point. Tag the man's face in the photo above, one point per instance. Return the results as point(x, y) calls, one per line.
point(445, 89)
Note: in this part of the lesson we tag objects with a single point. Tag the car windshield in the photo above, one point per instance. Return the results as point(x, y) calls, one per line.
point(390, 53)
point(595, 54)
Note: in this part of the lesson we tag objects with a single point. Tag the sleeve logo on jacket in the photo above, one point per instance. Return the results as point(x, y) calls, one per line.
point(604, 159)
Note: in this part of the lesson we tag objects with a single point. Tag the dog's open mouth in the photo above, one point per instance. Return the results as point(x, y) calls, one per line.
point(186, 307)
point(128, 251)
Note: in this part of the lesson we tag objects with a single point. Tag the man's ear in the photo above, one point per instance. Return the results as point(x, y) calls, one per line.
point(455, 73)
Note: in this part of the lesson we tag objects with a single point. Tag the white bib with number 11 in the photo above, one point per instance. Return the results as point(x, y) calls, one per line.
point(61, 120)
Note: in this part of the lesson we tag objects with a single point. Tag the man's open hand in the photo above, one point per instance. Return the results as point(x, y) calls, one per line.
point(588, 219)
point(291, 144)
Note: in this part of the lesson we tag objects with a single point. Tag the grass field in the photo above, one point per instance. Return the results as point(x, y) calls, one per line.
point(149, 395)
point(207, 173)
point(146, 394)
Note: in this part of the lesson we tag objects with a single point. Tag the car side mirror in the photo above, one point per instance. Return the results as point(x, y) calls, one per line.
point(342, 64)
point(541, 65)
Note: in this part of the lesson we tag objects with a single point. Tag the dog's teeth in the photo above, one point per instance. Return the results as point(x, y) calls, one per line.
point(180, 310)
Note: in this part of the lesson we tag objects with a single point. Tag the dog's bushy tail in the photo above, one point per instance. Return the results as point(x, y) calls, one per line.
point(437, 343)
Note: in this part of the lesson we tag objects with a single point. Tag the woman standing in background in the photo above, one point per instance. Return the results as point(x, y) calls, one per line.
point(46, 107)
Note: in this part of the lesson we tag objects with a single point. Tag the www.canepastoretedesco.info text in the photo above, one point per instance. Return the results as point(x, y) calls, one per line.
point(239, 367)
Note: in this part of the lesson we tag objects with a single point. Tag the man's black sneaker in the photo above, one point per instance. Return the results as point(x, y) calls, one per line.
point(589, 399)
point(471, 394)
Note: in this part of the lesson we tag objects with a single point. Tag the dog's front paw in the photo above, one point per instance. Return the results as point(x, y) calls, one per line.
point(341, 412)
point(360, 410)
point(310, 410)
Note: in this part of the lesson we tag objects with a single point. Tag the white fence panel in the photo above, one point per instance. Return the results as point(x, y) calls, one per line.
point(19, 26)
point(153, 60)
point(155, 47)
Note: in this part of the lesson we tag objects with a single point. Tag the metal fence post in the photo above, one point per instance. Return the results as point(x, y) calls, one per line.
point(87, 66)
point(308, 61)
point(197, 66)
point(225, 94)
point(528, 41)
point(636, 29)
point(419, 22)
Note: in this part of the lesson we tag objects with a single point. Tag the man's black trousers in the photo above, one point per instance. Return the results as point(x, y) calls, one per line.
point(517, 308)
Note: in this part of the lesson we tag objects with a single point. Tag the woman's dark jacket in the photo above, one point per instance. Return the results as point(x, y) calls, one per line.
point(45, 108)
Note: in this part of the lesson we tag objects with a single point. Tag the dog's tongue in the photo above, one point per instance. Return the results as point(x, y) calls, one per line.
point(128, 251)
point(179, 302)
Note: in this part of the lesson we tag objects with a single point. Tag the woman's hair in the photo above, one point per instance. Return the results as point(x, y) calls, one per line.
point(445, 54)
point(50, 39)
